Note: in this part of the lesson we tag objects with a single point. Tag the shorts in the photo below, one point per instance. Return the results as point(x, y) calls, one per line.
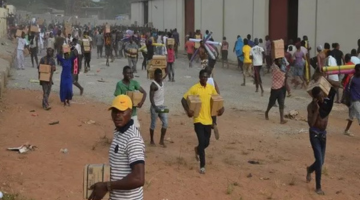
point(154, 115)
point(136, 121)
point(224, 54)
point(354, 111)
point(189, 55)
point(298, 70)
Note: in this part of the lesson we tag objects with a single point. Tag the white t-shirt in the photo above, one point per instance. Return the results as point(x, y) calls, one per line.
point(332, 62)
point(257, 54)
point(293, 49)
point(165, 49)
point(304, 50)
point(78, 48)
point(21, 43)
point(355, 60)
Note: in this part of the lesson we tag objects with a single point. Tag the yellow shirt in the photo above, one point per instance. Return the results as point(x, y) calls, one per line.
point(246, 52)
point(205, 96)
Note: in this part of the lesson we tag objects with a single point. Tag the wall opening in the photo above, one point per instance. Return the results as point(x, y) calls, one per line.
point(146, 12)
point(278, 22)
point(293, 10)
point(189, 16)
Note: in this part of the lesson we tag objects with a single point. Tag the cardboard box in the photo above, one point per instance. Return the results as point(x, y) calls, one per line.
point(86, 43)
point(94, 173)
point(18, 33)
point(322, 83)
point(135, 97)
point(34, 29)
point(133, 51)
point(158, 61)
point(107, 28)
point(277, 49)
point(26, 52)
point(194, 104)
point(40, 21)
point(45, 77)
point(151, 71)
point(170, 41)
point(217, 102)
point(87, 49)
point(66, 48)
point(44, 68)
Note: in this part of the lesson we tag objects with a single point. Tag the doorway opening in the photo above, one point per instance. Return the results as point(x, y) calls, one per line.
point(293, 13)
point(189, 12)
point(146, 13)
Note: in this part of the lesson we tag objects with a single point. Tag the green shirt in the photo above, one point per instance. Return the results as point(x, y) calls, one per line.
point(122, 88)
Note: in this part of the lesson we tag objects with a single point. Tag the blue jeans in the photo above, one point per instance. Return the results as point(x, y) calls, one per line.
point(163, 117)
point(318, 144)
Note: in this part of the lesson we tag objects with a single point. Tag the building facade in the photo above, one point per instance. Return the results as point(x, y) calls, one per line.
point(321, 20)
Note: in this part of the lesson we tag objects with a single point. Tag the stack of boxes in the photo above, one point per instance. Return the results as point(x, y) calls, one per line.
point(86, 44)
point(277, 49)
point(157, 61)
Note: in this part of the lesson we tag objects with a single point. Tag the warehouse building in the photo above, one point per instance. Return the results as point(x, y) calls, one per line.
point(321, 20)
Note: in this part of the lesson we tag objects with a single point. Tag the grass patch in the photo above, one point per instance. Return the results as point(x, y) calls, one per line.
point(14, 197)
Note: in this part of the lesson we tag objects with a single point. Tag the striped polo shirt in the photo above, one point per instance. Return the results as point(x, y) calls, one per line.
point(127, 149)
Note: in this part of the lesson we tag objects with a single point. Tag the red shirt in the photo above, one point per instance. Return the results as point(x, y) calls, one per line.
point(190, 46)
point(170, 55)
point(347, 76)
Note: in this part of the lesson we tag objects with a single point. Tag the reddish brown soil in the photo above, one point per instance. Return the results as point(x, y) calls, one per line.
point(171, 173)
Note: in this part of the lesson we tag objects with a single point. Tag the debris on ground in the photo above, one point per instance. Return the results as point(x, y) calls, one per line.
point(90, 122)
point(32, 110)
point(265, 179)
point(34, 81)
point(53, 123)
point(253, 162)
point(64, 150)
point(249, 175)
point(23, 148)
point(294, 115)
point(101, 80)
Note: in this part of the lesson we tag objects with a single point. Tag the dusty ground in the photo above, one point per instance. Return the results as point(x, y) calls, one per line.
point(171, 173)
point(282, 150)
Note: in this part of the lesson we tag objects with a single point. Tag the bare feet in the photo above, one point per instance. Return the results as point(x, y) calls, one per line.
point(162, 144)
point(319, 192)
point(152, 143)
point(283, 121)
point(262, 93)
point(266, 116)
point(196, 154)
point(243, 84)
point(81, 91)
point(308, 175)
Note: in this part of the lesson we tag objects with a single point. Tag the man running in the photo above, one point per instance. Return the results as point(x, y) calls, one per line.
point(202, 122)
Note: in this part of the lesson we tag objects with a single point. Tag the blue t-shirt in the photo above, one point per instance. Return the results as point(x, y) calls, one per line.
point(355, 88)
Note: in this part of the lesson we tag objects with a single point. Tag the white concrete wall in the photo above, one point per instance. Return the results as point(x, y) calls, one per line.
point(333, 25)
point(168, 14)
point(240, 18)
point(137, 13)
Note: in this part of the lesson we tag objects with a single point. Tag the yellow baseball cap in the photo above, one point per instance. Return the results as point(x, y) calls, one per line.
point(121, 102)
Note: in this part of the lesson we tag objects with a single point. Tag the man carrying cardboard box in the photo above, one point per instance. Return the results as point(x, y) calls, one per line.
point(46, 85)
point(157, 100)
point(127, 157)
point(127, 84)
point(318, 116)
point(202, 122)
point(132, 51)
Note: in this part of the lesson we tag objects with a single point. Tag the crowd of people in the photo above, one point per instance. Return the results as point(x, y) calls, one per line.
point(128, 146)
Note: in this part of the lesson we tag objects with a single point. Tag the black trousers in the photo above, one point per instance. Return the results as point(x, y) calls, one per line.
point(279, 95)
point(203, 133)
